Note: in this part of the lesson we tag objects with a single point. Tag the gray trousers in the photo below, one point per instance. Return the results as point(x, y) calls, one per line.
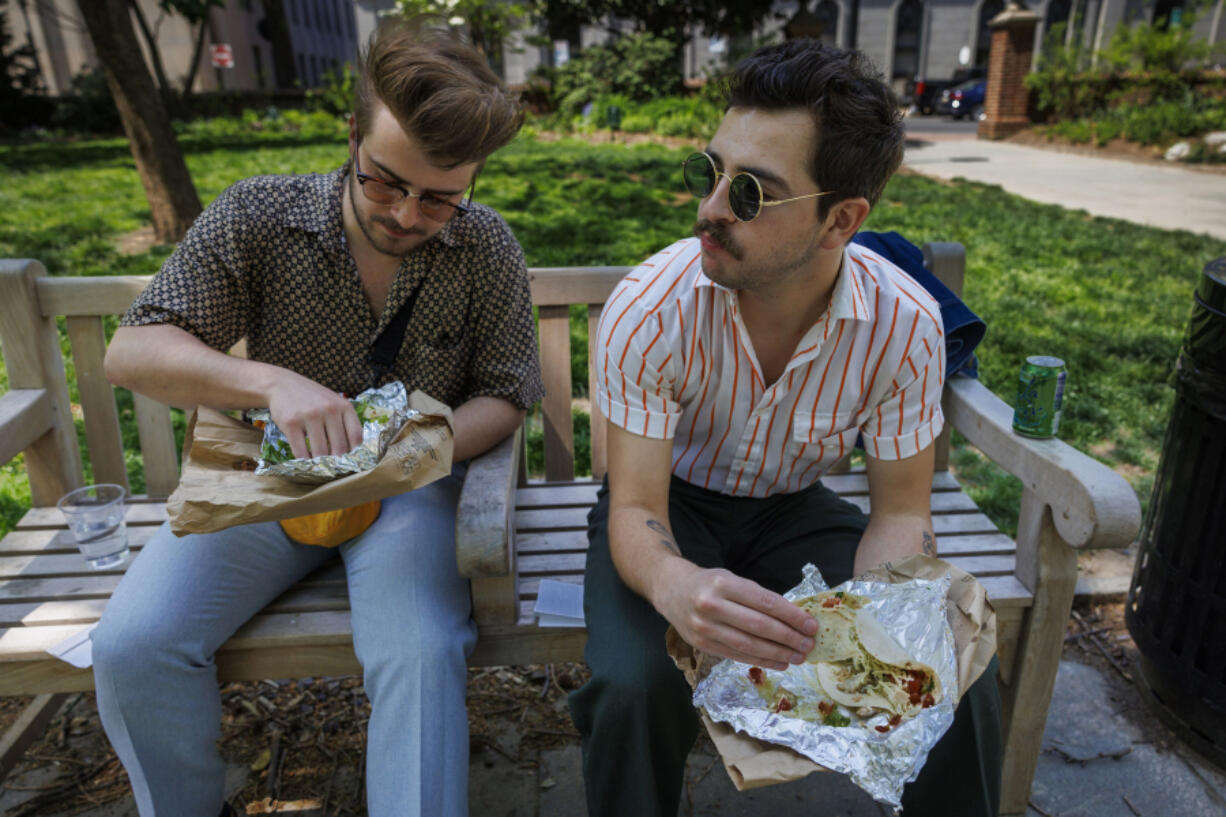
point(412, 631)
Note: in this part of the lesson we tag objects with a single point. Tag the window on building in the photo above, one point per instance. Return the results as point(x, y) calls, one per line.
point(314, 71)
point(1057, 12)
point(907, 25)
point(983, 40)
point(827, 12)
point(257, 59)
point(302, 72)
point(1168, 13)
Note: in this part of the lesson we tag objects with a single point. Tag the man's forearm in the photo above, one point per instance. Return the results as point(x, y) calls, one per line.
point(890, 537)
point(481, 423)
point(644, 550)
point(172, 366)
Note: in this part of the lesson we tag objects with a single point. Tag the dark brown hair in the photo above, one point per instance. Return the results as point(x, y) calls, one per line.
point(860, 136)
point(440, 90)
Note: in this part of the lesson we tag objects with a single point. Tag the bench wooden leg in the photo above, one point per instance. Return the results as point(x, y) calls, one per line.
point(1048, 566)
point(27, 728)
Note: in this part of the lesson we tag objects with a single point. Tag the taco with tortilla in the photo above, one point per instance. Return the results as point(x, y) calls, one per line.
point(856, 665)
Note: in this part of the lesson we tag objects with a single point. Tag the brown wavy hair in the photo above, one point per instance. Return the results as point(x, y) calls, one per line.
point(860, 135)
point(439, 88)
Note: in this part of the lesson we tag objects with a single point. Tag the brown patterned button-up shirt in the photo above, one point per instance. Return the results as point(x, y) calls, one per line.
point(268, 261)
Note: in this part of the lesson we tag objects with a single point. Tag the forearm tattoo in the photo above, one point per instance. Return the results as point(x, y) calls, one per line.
point(930, 545)
point(667, 539)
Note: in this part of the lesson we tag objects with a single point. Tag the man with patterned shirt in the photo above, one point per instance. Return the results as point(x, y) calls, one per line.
point(734, 368)
point(310, 269)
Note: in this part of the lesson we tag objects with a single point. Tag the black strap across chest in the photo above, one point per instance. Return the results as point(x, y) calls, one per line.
point(382, 354)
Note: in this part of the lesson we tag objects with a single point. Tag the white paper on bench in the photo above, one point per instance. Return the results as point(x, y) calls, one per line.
point(76, 649)
point(559, 604)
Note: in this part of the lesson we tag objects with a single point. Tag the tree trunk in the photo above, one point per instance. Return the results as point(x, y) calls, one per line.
point(172, 197)
point(195, 66)
point(277, 31)
point(155, 53)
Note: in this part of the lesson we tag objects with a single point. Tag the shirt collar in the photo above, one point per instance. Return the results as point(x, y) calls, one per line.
point(319, 211)
point(849, 299)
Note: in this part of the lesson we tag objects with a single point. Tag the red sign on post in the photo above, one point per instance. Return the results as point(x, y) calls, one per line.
point(222, 56)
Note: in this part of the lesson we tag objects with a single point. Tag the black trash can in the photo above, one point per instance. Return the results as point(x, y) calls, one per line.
point(1176, 607)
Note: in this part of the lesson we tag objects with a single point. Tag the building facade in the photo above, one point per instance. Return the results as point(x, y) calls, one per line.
point(324, 35)
point(907, 39)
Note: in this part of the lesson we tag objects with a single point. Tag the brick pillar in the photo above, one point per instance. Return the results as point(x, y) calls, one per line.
point(1004, 104)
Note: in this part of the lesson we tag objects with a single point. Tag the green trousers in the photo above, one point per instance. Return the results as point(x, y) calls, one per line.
point(635, 714)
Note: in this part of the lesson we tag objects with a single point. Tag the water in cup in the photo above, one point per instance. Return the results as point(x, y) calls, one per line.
point(95, 516)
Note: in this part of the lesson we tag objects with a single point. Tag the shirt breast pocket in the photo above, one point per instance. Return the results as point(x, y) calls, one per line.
point(819, 440)
point(443, 358)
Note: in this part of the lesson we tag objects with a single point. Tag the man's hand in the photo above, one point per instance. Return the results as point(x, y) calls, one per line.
point(174, 367)
point(306, 411)
point(719, 612)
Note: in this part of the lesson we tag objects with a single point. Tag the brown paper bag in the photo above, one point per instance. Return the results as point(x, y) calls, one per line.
point(752, 763)
point(217, 489)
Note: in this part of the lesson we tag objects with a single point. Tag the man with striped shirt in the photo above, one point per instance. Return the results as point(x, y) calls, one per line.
point(734, 368)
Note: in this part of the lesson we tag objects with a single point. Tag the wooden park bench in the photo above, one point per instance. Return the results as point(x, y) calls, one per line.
point(512, 531)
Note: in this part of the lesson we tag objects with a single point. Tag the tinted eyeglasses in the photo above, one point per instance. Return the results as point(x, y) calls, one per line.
point(387, 193)
point(745, 197)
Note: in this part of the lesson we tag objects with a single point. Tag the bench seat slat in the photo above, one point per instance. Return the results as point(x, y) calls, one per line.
point(571, 494)
point(951, 544)
point(313, 597)
point(48, 541)
point(136, 513)
point(575, 518)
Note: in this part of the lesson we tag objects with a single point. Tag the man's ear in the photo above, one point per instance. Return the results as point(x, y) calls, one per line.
point(353, 132)
point(844, 220)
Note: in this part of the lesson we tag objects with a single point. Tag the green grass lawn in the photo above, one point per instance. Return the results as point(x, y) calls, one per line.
point(1109, 297)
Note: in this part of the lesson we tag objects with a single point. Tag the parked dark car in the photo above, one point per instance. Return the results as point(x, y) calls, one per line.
point(924, 93)
point(965, 100)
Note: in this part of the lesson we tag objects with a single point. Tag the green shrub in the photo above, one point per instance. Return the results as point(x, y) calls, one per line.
point(1154, 49)
point(1077, 131)
point(637, 123)
point(637, 66)
point(1107, 129)
point(336, 95)
point(1156, 124)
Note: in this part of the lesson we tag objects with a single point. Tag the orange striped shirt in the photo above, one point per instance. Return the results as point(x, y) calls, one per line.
point(675, 362)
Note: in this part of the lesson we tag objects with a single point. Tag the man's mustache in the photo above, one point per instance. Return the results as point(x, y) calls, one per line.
point(387, 222)
point(718, 233)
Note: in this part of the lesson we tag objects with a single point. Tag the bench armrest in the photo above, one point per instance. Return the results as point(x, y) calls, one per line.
point(485, 518)
point(1092, 506)
point(25, 415)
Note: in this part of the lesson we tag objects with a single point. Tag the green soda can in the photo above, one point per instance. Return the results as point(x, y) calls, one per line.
point(1040, 392)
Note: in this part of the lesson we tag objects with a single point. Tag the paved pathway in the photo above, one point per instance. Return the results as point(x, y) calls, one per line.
point(1172, 197)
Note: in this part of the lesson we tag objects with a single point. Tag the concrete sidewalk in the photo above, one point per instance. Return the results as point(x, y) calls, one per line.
point(1172, 198)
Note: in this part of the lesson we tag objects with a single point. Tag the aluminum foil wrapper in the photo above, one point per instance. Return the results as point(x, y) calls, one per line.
point(382, 411)
point(913, 613)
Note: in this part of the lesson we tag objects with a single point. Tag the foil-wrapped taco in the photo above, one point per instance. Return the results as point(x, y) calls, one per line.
point(382, 412)
point(870, 700)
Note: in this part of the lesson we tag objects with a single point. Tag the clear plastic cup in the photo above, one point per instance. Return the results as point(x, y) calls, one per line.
point(95, 516)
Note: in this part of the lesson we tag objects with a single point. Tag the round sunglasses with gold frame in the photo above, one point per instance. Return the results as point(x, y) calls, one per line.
point(745, 197)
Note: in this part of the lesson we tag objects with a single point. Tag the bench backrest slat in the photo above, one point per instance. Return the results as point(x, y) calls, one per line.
point(598, 431)
point(157, 446)
point(556, 407)
point(97, 396)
